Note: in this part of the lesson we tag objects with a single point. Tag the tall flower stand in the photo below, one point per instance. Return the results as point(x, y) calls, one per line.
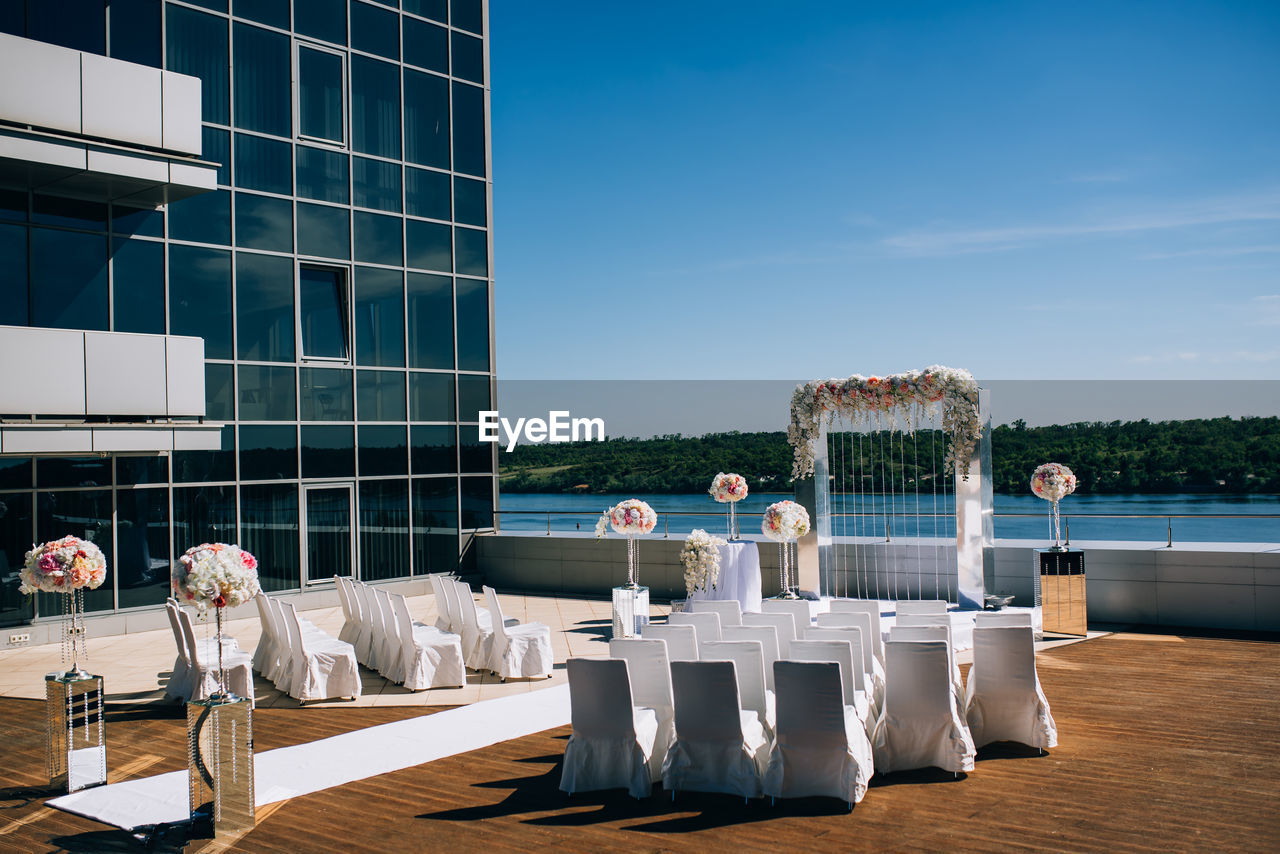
point(630, 611)
point(220, 763)
point(73, 717)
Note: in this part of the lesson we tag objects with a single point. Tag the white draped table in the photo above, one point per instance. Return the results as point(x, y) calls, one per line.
point(739, 576)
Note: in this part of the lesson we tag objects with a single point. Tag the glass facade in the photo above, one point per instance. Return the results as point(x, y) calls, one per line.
point(339, 275)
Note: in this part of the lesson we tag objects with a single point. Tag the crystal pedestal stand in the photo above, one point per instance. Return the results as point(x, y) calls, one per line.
point(77, 749)
point(220, 763)
point(630, 611)
point(784, 572)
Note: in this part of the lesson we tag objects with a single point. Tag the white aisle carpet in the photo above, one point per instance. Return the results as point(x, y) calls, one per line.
point(289, 772)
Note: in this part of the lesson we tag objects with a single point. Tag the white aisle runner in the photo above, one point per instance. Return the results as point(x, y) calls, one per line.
point(289, 772)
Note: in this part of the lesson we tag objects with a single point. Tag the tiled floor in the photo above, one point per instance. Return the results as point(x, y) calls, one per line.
point(136, 666)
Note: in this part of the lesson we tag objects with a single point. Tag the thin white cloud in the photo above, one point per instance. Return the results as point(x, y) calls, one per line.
point(1213, 251)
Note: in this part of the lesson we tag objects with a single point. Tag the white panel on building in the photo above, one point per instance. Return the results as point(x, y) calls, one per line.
point(185, 380)
point(47, 440)
point(181, 113)
point(120, 100)
point(43, 371)
point(142, 439)
point(41, 84)
point(125, 374)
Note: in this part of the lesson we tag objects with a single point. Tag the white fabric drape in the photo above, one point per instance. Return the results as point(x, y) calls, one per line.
point(350, 631)
point(941, 634)
point(871, 666)
point(841, 651)
point(477, 628)
point(682, 641)
point(730, 611)
point(799, 610)
point(707, 624)
point(323, 666)
point(919, 606)
point(739, 576)
point(783, 624)
point(430, 658)
point(521, 651)
point(921, 725)
point(748, 660)
point(650, 671)
point(203, 664)
point(768, 638)
point(870, 607)
point(612, 740)
point(719, 747)
point(1004, 700)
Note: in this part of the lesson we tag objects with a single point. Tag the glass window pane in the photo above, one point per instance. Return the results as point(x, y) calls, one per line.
point(266, 393)
point(379, 239)
point(468, 57)
point(375, 107)
point(328, 451)
point(474, 455)
point(469, 202)
point(13, 205)
point(426, 45)
point(274, 13)
point(379, 317)
point(68, 279)
point(72, 213)
point(383, 451)
point(376, 184)
point(216, 148)
point(322, 175)
point(426, 119)
point(136, 471)
point(468, 129)
point(269, 531)
point(219, 392)
point(322, 19)
point(473, 325)
point(436, 10)
point(477, 502)
point(135, 31)
point(137, 286)
point(320, 94)
point(202, 466)
point(263, 222)
point(324, 231)
point(77, 24)
point(473, 397)
point(323, 293)
point(263, 81)
point(467, 15)
point(16, 534)
point(426, 193)
point(268, 452)
point(215, 5)
point(54, 472)
point(326, 394)
point(141, 222)
point(200, 297)
point(16, 473)
point(384, 529)
point(264, 307)
point(13, 284)
point(431, 397)
point(203, 514)
point(430, 322)
point(380, 395)
point(142, 546)
point(434, 451)
point(196, 44)
point(375, 30)
point(264, 164)
point(86, 515)
point(472, 248)
point(429, 245)
point(205, 218)
point(435, 524)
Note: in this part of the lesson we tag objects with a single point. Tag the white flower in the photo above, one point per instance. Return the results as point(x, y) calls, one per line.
point(728, 488)
point(701, 559)
point(1053, 482)
point(218, 575)
point(785, 521)
point(630, 518)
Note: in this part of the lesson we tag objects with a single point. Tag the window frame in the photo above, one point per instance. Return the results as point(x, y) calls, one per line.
point(348, 314)
point(298, 46)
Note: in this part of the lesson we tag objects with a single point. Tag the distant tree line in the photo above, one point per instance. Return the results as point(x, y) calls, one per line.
point(1222, 455)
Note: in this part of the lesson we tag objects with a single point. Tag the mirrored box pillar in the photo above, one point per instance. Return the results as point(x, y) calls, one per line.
point(77, 749)
point(220, 763)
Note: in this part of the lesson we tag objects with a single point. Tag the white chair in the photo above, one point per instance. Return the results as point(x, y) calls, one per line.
point(707, 624)
point(612, 739)
point(856, 638)
point(871, 608)
point(784, 625)
point(1004, 700)
point(350, 631)
point(237, 664)
point(768, 638)
point(477, 637)
point(520, 651)
point(730, 610)
point(445, 618)
point(920, 725)
point(682, 641)
point(323, 667)
point(391, 653)
point(430, 658)
point(840, 650)
point(719, 746)
point(862, 621)
point(797, 608)
point(266, 658)
point(821, 748)
point(940, 634)
point(919, 620)
point(748, 657)
point(369, 642)
point(650, 672)
point(991, 619)
point(179, 685)
point(920, 606)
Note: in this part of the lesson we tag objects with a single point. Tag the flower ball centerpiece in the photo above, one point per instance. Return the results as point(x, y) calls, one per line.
point(785, 522)
point(220, 576)
point(729, 489)
point(1053, 482)
point(68, 566)
point(631, 518)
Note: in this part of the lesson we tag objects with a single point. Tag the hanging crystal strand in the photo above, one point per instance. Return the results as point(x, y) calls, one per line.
point(782, 569)
point(66, 631)
point(222, 675)
point(1057, 527)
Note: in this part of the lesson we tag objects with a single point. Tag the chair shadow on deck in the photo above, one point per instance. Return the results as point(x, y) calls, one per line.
point(916, 776)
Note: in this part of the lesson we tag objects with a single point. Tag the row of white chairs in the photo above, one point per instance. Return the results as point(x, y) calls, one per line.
point(387, 639)
point(491, 642)
point(301, 659)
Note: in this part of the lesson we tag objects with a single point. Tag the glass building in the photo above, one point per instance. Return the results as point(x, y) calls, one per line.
point(335, 260)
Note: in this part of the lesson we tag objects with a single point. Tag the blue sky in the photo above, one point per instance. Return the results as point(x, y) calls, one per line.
point(810, 189)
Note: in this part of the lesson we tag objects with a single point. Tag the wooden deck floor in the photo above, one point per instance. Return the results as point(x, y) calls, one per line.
point(1167, 743)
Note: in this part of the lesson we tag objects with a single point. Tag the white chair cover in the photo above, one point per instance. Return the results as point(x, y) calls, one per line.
point(784, 626)
point(707, 624)
point(730, 610)
point(444, 616)
point(682, 641)
point(821, 747)
point(370, 639)
point(921, 725)
point(870, 664)
point(1004, 700)
point(323, 667)
point(748, 659)
point(768, 638)
point(650, 672)
point(919, 606)
point(841, 651)
point(477, 637)
point(350, 631)
point(798, 609)
point(520, 651)
point(430, 658)
point(612, 739)
point(870, 607)
point(941, 634)
point(918, 620)
point(237, 664)
point(266, 658)
point(986, 619)
point(391, 654)
point(719, 746)
point(283, 678)
point(179, 685)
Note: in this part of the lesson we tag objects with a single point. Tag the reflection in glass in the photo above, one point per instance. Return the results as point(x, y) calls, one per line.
point(382, 451)
point(263, 222)
point(322, 19)
point(431, 397)
point(435, 524)
point(328, 451)
point(322, 175)
point(219, 392)
point(472, 251)
point(468, 129)
point(13, 286)
point(138, 286)
point(268, 452)
point(15, 473)
point(53, 472)
point(262, 80)
point(426, 119)
point(205, 218)
point(429, 245)
point(86, 515)
point(135, 31)
point(379, 315)
point(477, 502)
point(201, 466)
point(474, 455)
point(426, 45)
point(380, 395)
point(326, 394)
point(379, 239)
point(375, 107)
point(473, 325)
point(200, 297)
point(264, 307)
point(426, 193)
point(196, 44)
point(434, 449)
point(266, 393)
point(473, 396)
point(274, 13)
point(376, 184)
point(142, 546)
point(264, 164)
point(16, 536)
point(72, 213)
point(320, 94)
point(328, 532)
point(375, 30)
point(468, 57)
point(75, 24)
point(68, 279)
point(384, 529)
point(436, 10)
point(140, 222)
point(203, 514)
point(323, 294)
point(324, 231)
point(430, 321)
point(467, 15)
point(469, 202)
point(269, 531)
point(216, 148)
point(140, 471)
